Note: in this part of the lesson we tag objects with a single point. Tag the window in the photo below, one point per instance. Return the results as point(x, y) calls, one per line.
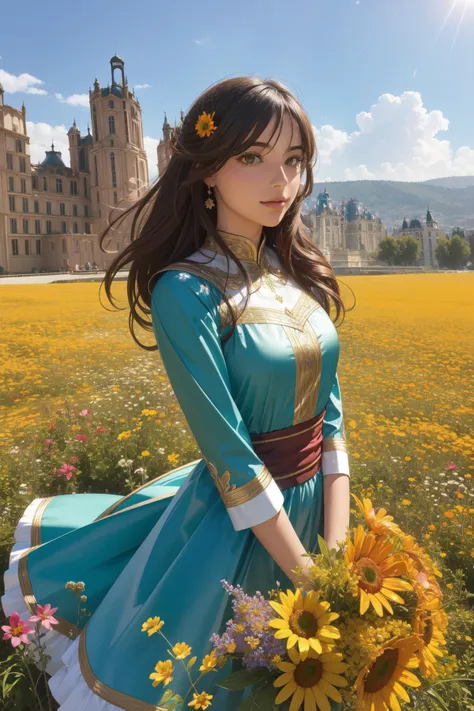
point(111, 104)
point(86, 211)
point(62, 208)
point(73, 187)
point(25, 227)
point(45, 183)
point(115, 197)
point(34, 182)
point(64, 243)
point(22, 165)
point(76, 245)
point(19, 145)
point(15, 247)
point(38, 246)
point(63, 227)
point(87, 228)
point(96, 171)
point(59, 185)
point(111, 125)
point(25, 204)
point(11, 203)
point(74, 210)
point(48, 208)
point(94, 122)
point(11, 183)
point(37, 207)
point(27, 246)
point(49, 228)
point(37, 229)
point(13, 226)
point(85, 187)
point(9, 161)
point(75, 228)
point(112, 165)
point(23, 185)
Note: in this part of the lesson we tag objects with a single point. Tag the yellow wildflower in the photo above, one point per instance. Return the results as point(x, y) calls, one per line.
point(201, 701)
point(181, 650)
point(152, 625)
point(209, 662)
point(162, 673)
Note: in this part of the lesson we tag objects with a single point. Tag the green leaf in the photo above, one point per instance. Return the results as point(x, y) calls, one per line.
point(166, 696)
point(439, 699)
point(323, 547)
point(242, 679)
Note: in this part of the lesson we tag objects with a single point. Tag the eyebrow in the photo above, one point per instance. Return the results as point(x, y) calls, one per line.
point(265, 145)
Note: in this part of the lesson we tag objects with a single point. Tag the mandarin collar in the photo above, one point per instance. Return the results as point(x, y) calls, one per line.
point(241, 246)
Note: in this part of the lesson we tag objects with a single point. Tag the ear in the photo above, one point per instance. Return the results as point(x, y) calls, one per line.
point(209, 181)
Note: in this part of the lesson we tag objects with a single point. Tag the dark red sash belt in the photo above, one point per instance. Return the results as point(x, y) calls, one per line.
point(292, 455)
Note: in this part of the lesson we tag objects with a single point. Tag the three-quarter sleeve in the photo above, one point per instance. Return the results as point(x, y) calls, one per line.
point(335, 459)
point(186, 323)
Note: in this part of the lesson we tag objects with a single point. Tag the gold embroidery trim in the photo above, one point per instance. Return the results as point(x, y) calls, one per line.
point(233, 495)
point(332, 444)
point(36, 522)
point(121, 501)
point(112, 696)
point(243, 247)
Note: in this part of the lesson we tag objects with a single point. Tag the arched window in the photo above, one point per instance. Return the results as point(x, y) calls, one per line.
point(112, 124)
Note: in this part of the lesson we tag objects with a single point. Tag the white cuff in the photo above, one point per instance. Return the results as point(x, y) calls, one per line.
point(335, 462)
point(259, 509)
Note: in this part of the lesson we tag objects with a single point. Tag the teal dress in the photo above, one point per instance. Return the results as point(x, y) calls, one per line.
point(164, 549)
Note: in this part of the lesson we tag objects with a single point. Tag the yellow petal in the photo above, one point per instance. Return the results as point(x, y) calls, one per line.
point(408, 678)
point(401, 691)
point(282, 634)
point(292, 640)
point(283, 679)
point(336, 667)
point(335, 679)
point(321, 699)
point(285, 693)
point(309, 704)
point(279, 609)
point(376, 604)
point(364, 601)
point(316, 645)
point(278, 624)
point(286, 666)
point(297, 699)
point(303, 644)
point(329, 690)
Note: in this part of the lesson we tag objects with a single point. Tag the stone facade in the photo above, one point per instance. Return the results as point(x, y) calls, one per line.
point(51, 214)
point(427, 235)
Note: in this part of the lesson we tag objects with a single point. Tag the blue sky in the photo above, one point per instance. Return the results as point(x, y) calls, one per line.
point(388, 84)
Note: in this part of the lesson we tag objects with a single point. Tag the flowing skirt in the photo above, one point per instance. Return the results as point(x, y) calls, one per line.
point(160, 551)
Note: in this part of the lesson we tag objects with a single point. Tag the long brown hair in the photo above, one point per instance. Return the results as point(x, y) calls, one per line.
point(170, 222)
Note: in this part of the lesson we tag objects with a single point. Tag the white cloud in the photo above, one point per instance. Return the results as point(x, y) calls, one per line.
point(152, 156)
point(142, 86)
point(23, 83)
point(74, 99)
point(42, 135)
point(398, 139)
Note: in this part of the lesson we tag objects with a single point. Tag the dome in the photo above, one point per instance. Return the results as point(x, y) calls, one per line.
point(53, 159)
point(74, 130)
point(87, 139)
point(116, 58)
point(115, 89)
point(415, 225)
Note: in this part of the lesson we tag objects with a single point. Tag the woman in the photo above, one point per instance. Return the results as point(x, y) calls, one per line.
point(239, 299)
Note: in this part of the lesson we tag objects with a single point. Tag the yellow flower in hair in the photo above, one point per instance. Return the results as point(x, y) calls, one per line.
point(205, 125)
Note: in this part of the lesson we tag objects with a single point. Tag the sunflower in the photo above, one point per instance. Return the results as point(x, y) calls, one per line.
point(205, 125)
point(305, 621)
point(311, 680)
point(379, 684)
point(430, 625)
point(420, 558)
point(377, 522)
point(377, 568)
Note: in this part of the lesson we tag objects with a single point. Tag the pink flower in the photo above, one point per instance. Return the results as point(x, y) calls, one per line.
point(51, 427)
point(101, 428)
point(45, 616)
point(17, 630)
point(67, 470)
point(49, 441)
point(84, 413)
point(451, 465)
point(73, 460)
point(81, 438)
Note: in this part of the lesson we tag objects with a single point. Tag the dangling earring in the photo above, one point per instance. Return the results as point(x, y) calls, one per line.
point(209, 203)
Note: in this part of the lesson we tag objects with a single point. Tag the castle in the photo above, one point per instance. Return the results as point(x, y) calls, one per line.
point(50, 215)
point(345, 235)
point(427, 235)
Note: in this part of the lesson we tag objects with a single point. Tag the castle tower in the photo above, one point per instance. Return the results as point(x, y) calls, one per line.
point(74, 137)
point(117, 158)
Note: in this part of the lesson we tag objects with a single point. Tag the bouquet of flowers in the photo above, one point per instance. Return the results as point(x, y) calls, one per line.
point(363, 632)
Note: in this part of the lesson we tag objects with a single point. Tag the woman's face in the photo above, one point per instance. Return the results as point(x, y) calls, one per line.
point(249, 179)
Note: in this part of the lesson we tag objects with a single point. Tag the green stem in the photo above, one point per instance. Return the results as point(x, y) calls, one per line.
point(32, 681)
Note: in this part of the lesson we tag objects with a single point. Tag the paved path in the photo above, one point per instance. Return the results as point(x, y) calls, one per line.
point(50, 278)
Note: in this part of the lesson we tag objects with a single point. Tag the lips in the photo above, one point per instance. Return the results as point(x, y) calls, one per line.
point(276, 200)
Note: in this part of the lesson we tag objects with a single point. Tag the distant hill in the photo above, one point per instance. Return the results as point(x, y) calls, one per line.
point(392, 201)
point(456, 181)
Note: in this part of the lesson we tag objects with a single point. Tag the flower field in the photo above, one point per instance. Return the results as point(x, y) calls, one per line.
point(83, 408)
